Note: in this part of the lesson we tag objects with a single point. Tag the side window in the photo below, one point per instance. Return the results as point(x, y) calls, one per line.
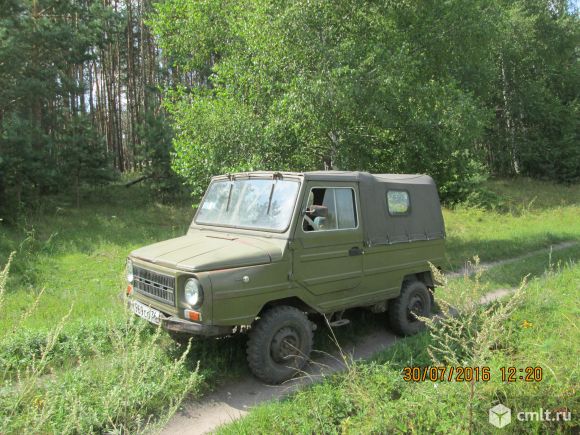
point(398, 202)
point(330, 208)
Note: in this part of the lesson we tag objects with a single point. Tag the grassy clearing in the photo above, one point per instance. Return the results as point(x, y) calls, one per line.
point(373, 397)
point(527, 215)
point(99, 369)
point(77, 255)
point(74, 259)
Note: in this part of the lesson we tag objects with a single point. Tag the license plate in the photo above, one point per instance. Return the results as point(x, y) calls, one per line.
point(146, 312)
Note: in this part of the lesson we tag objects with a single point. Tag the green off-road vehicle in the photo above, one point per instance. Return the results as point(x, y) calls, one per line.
point(267, 249)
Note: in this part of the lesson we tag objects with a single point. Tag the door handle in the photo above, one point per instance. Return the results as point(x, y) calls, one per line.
point(355, 250)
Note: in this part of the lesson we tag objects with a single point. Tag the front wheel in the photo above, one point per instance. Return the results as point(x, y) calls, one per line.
point(279, 344)
point(414, 300)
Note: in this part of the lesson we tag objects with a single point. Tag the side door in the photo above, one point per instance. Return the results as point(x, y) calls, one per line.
point(328, 243)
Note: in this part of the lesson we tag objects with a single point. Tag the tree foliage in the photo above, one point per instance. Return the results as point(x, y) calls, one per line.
point(458, 89)
point(78, 101)
point(454, 89)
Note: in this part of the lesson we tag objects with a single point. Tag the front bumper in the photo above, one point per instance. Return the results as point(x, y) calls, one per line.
point(175, 324)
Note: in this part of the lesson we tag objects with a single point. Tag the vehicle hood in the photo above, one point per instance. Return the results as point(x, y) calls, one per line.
point(199, 251)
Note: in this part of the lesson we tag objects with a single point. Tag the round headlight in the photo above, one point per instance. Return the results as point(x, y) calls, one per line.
point(129, 271)
point(193, 292)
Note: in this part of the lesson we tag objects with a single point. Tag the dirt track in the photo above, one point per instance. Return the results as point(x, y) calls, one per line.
point(232, 401)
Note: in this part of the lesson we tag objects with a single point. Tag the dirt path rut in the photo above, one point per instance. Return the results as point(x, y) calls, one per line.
point(232, 401)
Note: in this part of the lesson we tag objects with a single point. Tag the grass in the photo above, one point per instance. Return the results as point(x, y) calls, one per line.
point(71, 260)
point(372, 397)
point(77, 255)
point(510, 274)
point(130, 387)
point(530, 215)
point(72, 360)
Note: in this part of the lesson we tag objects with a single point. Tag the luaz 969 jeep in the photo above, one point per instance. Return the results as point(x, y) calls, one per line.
point(267, 249)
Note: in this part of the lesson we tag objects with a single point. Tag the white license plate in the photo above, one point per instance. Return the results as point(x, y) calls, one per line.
point(146, 312)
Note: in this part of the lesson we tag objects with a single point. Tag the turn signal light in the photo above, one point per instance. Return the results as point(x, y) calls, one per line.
point(129, 289)
point(193, 315)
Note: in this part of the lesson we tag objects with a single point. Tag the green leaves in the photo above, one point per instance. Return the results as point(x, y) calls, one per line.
point(367, 85)
point(310, 85)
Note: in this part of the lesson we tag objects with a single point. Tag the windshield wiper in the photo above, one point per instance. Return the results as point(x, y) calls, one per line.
point(229, 196)
point(270, 199)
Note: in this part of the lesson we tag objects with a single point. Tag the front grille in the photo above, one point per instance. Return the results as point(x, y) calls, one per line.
point(154, 285)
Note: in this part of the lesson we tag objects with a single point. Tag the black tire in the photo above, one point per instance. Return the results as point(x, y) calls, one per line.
point(279, 344)
point(414, 298)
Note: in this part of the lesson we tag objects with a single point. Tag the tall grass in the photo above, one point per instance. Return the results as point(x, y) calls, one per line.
point(129, 385)
point(4, 277)
point(467, 331)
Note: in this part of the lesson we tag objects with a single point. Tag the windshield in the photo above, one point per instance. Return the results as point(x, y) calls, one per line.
point(258, 203)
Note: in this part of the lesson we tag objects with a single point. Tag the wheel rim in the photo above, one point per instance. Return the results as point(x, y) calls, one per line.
point(285, 345)
point(417, 306)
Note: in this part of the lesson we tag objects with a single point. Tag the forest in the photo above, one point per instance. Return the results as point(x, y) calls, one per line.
point(178, 91)
point(458, 89)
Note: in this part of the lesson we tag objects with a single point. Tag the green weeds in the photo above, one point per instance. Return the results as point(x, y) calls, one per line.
point(117, 379)
point(78, 255)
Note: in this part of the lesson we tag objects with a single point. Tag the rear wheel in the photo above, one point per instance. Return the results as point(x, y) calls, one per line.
point(279, 344)
point(415, 299)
